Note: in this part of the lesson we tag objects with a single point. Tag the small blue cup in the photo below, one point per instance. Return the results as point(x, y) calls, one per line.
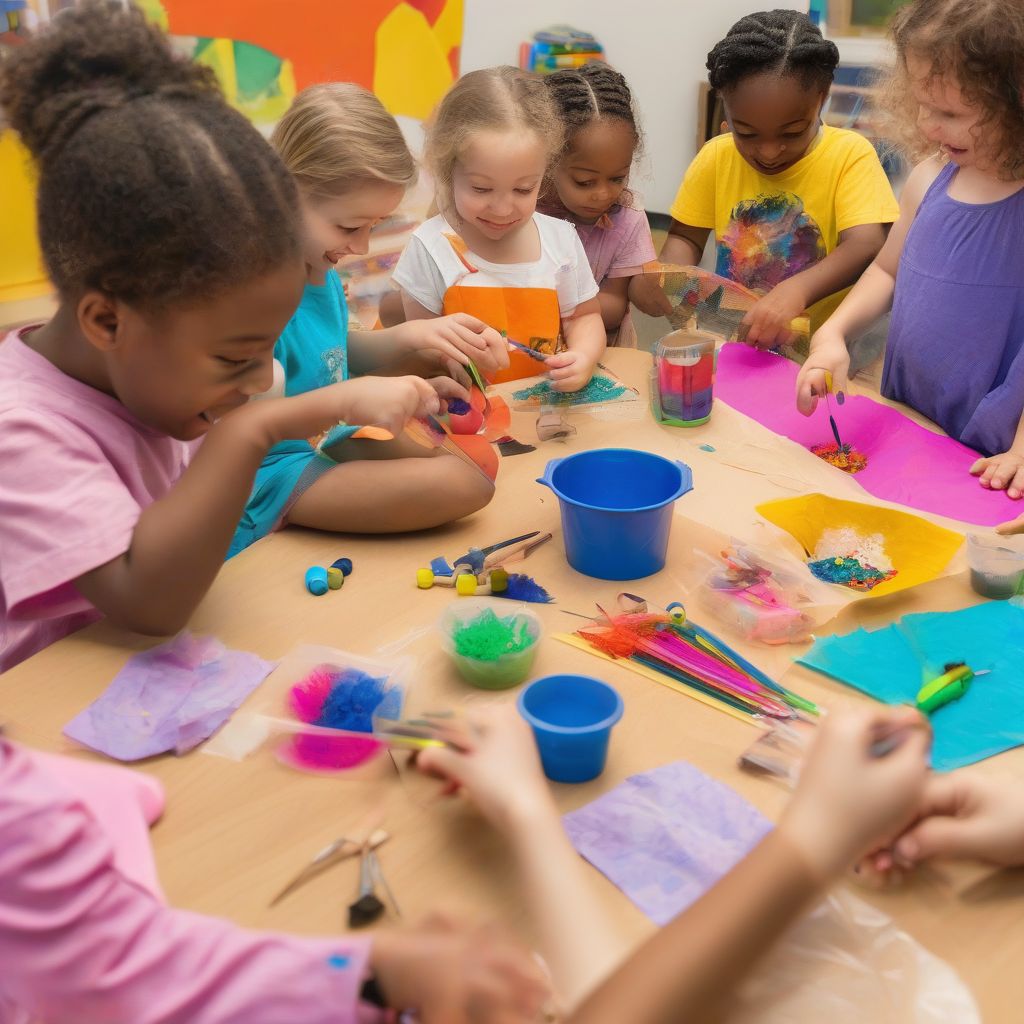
point(572, 719)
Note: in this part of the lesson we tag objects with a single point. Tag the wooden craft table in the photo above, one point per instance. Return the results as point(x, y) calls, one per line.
point(234, 832)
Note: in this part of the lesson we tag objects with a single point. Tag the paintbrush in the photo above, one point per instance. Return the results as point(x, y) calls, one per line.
point(831, 418)
point(526, 350)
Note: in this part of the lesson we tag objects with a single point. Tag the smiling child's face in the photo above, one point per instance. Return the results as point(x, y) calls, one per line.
point(338, 226)
point(944, 117)
point(774, 119)
point(496, 182)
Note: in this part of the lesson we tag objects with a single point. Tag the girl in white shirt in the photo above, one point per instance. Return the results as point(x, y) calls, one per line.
point(488, 252)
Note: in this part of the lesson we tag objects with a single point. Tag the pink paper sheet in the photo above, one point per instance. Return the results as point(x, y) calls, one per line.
point(907, 464)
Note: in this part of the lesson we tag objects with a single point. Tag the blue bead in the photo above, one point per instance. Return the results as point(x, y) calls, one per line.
point(344, 564)
point(316, 580)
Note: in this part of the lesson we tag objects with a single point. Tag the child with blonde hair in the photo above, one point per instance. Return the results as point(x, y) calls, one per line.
point(488, 252)
point(352, 167)
point(951, 267)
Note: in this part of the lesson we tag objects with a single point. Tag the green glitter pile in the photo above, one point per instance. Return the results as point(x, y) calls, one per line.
point(600, 389)
point(487, 638)
point(849, 572)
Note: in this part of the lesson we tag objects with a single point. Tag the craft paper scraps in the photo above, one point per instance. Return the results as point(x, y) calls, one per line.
point(906, 463)
point(916, 549)
point(666, 836)
point(171, 697)
point(893, 663)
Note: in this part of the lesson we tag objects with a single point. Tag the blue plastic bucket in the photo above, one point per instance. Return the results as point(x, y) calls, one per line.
point(616, 509)
point(572, 719)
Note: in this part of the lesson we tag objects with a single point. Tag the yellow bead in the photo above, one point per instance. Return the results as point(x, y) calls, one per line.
point(499, 581)
point(466, 585)
point(335, 578)
point(424, 579)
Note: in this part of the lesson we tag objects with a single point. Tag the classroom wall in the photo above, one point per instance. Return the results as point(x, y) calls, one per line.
point(659, 45)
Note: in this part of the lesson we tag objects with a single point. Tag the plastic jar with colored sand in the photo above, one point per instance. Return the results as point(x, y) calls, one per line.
point(491, 649)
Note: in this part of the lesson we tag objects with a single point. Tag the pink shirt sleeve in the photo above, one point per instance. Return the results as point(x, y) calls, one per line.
point(79, 941)
point(65, 512)
point(636, 246)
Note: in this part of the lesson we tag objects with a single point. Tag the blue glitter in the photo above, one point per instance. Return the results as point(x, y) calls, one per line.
point(599, 389)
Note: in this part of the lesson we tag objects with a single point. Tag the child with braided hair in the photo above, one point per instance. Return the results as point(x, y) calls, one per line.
point(589, 182)
point(799, 210)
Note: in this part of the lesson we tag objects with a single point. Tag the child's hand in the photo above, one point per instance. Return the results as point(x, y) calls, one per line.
point(448, 388)
point(451, 973)
point(829, 354)
point(498, 768)
point(1003, 472)
point(766, 325)
point(966, 815)
point(849, 799)
point(459, 337)
point(388, 402)
point(569, 370)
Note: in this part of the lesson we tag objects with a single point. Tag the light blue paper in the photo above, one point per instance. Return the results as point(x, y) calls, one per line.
point(893, 663)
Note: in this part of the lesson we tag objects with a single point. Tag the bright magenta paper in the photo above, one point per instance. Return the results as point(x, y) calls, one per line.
point(906, 463)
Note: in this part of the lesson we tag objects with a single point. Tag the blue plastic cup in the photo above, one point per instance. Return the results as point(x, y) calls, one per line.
point(572, 719)
point(616, 506)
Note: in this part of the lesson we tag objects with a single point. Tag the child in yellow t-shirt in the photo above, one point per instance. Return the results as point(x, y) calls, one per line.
point(799, 210)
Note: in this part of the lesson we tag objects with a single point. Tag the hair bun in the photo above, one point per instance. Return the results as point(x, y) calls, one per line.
point(94, 57)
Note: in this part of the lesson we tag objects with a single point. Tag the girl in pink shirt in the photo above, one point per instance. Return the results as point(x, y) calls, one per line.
point(589, 180)
point(170, 230)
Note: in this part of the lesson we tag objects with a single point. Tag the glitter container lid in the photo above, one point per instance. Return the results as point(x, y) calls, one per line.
point(491, 644)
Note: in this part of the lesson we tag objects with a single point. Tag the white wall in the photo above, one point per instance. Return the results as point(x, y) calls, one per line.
point(659, 45)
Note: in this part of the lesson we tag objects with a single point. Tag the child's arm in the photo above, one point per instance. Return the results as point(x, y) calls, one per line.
point(847, 798)
point(586, 341)
point(766, 324)
point(684, 244)
point(683, 972)
point(869, 299)
point(81, 942)
point(179, 542)
point(500, 773)
point(391, 487)
point(614, 300)
point(1004, 471)
point(426, 345)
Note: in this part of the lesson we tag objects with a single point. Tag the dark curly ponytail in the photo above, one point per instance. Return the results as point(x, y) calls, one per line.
point(151, 188)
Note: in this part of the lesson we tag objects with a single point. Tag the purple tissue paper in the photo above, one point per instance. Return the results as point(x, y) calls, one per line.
point(171, 697)
point(664, 837)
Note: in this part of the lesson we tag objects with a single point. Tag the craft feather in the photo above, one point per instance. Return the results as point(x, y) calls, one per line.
point(685, 652)
point(525, 588)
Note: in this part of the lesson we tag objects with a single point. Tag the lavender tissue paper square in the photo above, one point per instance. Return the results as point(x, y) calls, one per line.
point(664, 837)
point(171, 697)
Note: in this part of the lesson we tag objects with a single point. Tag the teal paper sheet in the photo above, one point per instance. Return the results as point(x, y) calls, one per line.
point(892, 664)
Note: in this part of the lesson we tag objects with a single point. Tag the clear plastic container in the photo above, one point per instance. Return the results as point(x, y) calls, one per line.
point(491, 673)
point(997, 569)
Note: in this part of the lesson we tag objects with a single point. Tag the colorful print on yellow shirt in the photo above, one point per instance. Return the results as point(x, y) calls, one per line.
point(768, 239)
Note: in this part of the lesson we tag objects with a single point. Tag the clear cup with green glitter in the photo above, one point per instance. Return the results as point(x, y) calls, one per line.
point(492, 644)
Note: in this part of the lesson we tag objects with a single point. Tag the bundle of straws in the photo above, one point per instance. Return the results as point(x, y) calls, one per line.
point(675, 647)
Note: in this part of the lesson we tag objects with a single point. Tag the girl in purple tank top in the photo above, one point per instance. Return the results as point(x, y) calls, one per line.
point(952, 269)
